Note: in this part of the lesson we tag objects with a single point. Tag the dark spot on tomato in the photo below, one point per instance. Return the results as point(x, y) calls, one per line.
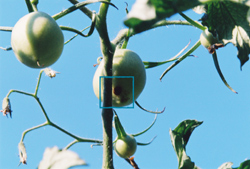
point(117, 90)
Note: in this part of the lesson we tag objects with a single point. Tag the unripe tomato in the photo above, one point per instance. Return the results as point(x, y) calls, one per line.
point(37, 40)
point(207, 39)
point(125, 63)
point(125, 147)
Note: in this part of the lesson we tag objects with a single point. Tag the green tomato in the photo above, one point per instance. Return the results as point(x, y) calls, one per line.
point(207, 39)
point(125, 147)
point(37, 40)
point(125, 63)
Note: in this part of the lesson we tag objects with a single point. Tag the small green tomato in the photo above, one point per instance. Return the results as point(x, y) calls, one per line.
point(125, 63)
point(207, 39)
point(37, 40)
point(125, 147)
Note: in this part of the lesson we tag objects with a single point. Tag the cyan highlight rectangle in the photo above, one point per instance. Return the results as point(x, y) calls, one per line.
point(100, 101)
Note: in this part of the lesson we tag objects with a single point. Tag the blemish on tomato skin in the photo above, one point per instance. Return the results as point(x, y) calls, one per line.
point(117, 90)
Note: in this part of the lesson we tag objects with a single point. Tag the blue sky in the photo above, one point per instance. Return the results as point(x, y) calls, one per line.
point(192, 90)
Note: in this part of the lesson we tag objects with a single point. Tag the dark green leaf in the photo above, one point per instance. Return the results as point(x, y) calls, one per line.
point(145, 13)
point(229, 21)
point(244, 165)
point(179, 138)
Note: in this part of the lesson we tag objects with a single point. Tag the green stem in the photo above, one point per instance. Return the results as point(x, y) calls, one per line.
point(43, 110)
point(38, 82)
point(107, 114)
point(92, 27)
point(188, 53)
point(192, 22)
point(6, 28)
point(21, 92)
point(29, 6)
point(71, 144)
point(64, 131)
point(33, 128)
point(75, 36)
point(79, 139)
point(34, 6)
point(6, 49)
point(85, 10)
point(73, 8)
point(77, 6)
point(125, 43)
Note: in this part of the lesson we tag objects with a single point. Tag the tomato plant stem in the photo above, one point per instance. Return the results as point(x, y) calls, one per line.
point(107, 114)
point(38, 82)
point(29, 6)
point(192, 22)
point(6, 28)
point(33, 128)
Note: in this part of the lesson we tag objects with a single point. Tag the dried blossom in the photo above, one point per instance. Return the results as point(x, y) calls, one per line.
point(49, 72)
point(22, 153)
point(6, 107)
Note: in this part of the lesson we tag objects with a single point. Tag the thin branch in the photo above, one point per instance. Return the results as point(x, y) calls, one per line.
point(79, 5)
point(6, 28)
point(6, 49)
point(30, 129)
point(85, 10)
point(75, 36)
point(71, 144)
point(38, 82)
point(192, 22)
point(29, 6)
point(132, 162)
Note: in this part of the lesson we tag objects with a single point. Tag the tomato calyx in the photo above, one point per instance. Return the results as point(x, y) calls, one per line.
point(125, 144)
point(119, 128)
point(214, 47)
point(209, 40)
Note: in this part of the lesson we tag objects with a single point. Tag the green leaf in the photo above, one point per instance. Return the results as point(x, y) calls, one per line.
point(145, 13)
point(227, 165)
point(229, 20)
point(179, 138)
point(54, 158)
point(244, 165)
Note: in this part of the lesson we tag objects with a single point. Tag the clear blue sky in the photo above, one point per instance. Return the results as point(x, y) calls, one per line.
point(192, 90)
